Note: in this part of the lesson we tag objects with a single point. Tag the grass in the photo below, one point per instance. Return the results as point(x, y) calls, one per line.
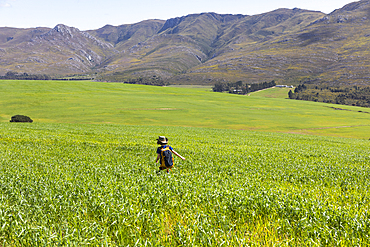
point(96, 102)
point(206, 88)
point(73, 179)
point(79, 184)
point(273, 93)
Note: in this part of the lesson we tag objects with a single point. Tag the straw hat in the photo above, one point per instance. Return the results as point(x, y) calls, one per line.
point(162, 140)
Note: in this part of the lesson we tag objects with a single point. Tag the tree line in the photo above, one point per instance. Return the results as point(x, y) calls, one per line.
point(343, 94)
point(240, 88)
point(24, 76)
point(152, 81)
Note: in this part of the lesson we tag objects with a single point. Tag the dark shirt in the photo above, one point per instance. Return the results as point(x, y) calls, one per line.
point(159, 148)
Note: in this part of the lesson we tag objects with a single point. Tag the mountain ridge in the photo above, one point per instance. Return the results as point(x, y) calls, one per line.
point(287, 45)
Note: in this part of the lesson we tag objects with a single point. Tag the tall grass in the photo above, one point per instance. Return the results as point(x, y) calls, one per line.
point(71, 184)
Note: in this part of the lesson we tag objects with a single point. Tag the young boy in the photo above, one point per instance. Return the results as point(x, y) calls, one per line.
point(164, 154)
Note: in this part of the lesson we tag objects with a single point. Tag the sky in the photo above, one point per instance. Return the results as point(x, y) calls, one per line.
point(93, 14)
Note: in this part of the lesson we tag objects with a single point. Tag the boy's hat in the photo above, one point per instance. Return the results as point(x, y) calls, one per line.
point(162, 140)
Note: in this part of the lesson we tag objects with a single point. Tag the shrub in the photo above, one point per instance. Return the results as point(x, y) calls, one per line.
point(21, 119)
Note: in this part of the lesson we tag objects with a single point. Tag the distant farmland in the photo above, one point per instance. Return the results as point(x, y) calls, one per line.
point(116, 103)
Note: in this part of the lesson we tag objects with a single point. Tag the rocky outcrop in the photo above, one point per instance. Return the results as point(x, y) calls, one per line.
point(171, 23)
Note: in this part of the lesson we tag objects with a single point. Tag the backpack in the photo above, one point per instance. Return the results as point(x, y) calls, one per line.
point(166, 156)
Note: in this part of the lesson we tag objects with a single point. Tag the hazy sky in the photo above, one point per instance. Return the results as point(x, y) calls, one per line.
point(93, 14)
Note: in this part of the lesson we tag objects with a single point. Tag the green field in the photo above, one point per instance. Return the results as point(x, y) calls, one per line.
point(117, 103)
point(273, 93)
point(84, 173)
point(64, 184)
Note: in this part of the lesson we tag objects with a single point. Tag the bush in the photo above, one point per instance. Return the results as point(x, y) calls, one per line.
point(21, 119)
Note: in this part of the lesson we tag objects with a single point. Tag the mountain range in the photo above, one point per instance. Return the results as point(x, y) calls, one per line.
point(286, 45)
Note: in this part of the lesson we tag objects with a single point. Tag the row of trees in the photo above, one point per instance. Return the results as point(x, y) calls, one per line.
point(23, 76)
point(344, 94)
point(240, 88)
point(153, 81)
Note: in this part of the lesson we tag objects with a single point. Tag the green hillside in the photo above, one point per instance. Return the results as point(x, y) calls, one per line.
point(117, 103)
point(275, 92)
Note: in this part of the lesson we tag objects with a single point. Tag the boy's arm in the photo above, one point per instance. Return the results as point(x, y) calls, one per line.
point(173, 151)
point(158, 157)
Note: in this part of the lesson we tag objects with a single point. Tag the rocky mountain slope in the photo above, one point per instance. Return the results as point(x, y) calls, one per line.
point(287, 45)
point(334, 48)
point(61, 50)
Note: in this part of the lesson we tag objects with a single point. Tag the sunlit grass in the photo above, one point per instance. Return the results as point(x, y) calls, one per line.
point(273, 93)
point(97, 185)
point(117, 103)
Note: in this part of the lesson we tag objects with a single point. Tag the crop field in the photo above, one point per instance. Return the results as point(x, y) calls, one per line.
point(76, 185)
point(83, 173)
